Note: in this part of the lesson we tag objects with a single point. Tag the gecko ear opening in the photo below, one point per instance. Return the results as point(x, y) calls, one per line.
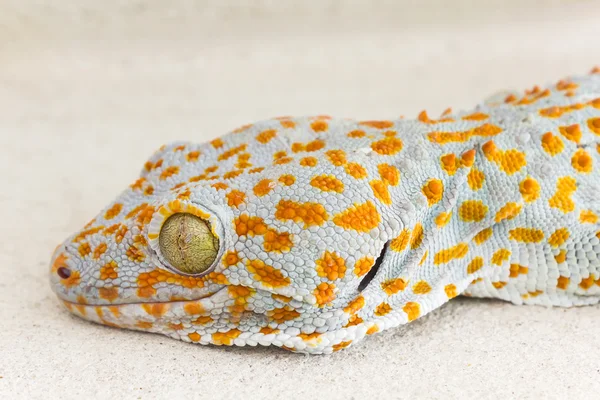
point(188, 244)
point(373, 271)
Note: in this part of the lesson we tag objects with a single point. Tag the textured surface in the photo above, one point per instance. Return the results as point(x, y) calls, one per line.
point(526, 339)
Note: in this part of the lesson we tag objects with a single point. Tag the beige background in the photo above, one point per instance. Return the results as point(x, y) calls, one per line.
point(87, 92)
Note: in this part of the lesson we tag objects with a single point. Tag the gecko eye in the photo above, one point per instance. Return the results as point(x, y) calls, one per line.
point(188, 244)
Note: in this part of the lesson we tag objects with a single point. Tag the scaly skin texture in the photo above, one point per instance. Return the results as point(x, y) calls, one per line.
point(332, 229)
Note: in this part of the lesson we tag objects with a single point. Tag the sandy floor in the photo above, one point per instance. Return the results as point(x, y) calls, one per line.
point(87, 93)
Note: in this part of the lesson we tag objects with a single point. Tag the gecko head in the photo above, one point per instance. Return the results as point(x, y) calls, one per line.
point(214, 254)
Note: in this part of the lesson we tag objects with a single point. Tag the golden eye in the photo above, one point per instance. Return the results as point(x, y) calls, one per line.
point(188, 243)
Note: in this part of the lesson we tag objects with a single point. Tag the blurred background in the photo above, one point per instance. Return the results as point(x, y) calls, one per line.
point(89, 89)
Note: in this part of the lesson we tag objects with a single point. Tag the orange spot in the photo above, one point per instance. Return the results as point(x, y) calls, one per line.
point(280, 315)
point(393, 286)
point(467, 158)
point(87, 232)
point(389, 174)
point(478, 116)
point(249, 226)
point(484, 130)
point(526, 235)
point(143, 324)
point(377, 124)
point(168, 172)
point(319, 126)
point(218, 186)
point(443, 218)
point(235, 198)
point(451, 291)
point(341, 345)
point(147, 279)
point(588, 217)
point(310, 146)
point(516, 270)
point(423, 117)
point(355, 170)
point(561, 257)
point(360, 217)
point(287, 179)
point(308, 161)
point(193, 156)
point(193, 308)
point(363, 265)
point(355, 305)
point(421, 287)
point(475, 265)
point(582, 161)
point(331, 266)
point(327, 183)
point(225, 338)
point(529, 189)
point(383, 309)
point(372, 330)
point(263, 187)
point(218, 143)
point(388, 146)
point(433, 191)
point(357, 134)
point(310, 336)
point(563, 282)
point(266, 136)
point(194, 336)
point(417, 236)
point(566, 85)
point(156, 310)
point(110, 293)
point(380, 190)
point(84, 249)
point(472, 211)
point(413, 310)
point(587, 283)
point(309, 213)
point(277, 242)
point(571, 132)
point(267, 331)
point(135, 254)
point(453, 253)
point(449, 163)
point(509, 161)
point(399, 243)
point(109, 271)
point(267, 275)
point(231, 152)
point(500, 256)
point(559, 237)
point(475, 179)
point(113, 211)
point(324, 293)
point(336, 157)
point(101, 249)
point(594, 125)
point(565, 187)
point(508, 211)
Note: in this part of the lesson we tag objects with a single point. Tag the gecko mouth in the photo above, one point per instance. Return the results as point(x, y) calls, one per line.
point(146, 315)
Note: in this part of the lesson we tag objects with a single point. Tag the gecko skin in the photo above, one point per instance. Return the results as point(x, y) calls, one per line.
point(312, 233)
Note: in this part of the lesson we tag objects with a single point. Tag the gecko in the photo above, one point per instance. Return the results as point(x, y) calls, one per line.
point(313, 233)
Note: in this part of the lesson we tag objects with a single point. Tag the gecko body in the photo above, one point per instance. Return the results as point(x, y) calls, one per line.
point(312, 233)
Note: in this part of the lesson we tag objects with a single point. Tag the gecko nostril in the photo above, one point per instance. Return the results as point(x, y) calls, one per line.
point(64, 272)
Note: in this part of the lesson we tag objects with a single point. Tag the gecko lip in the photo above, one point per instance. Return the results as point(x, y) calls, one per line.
point(129, 315)
point(137, 303)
